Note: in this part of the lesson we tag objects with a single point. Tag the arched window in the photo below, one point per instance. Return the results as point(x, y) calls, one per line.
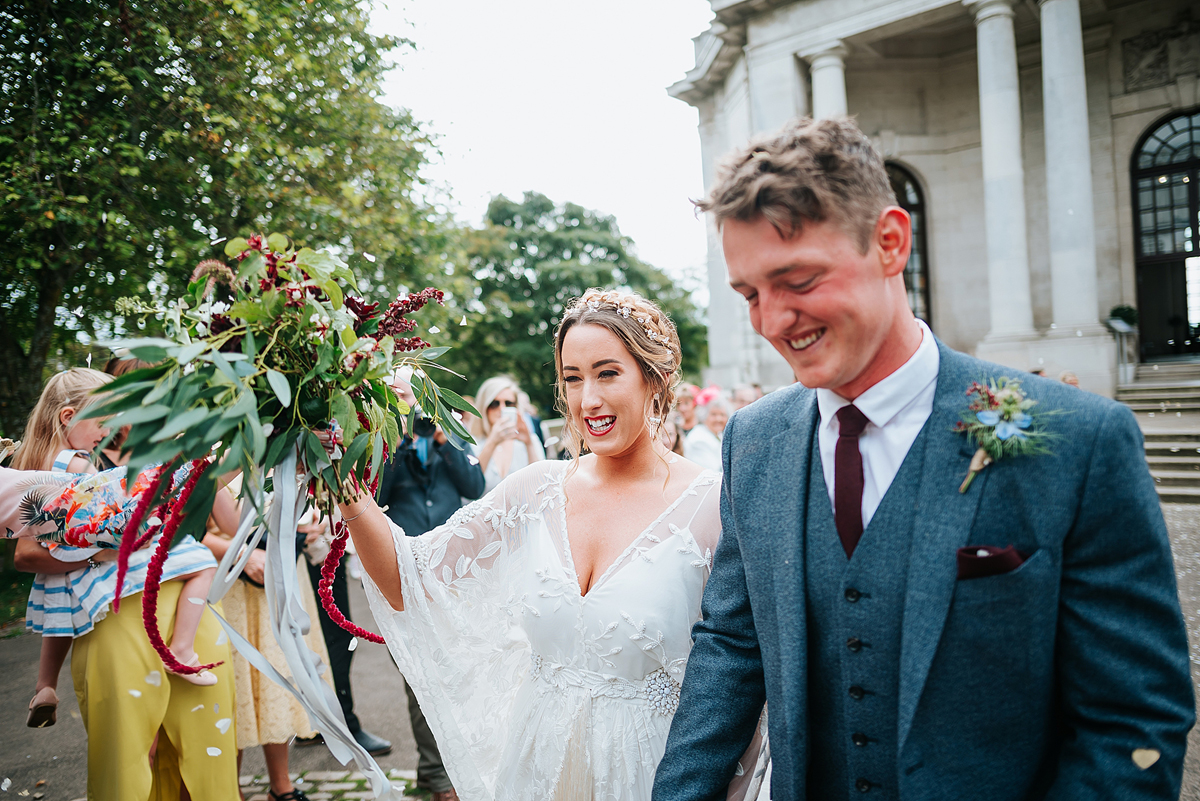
point(916, 273)
point(1166, 212)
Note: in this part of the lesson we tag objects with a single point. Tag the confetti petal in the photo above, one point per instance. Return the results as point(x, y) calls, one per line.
point(136, 693)
point(463, 321)
point(1145, 757)
point(368, 257)
point(154, 521)
point(222, 638)
point(214, 751)
point(196, 601)
point(223, 724)
point(433, 329)
point(155, 678)
point(198, 707)
point(353, 644)
point(4, 785)
point(216, 709)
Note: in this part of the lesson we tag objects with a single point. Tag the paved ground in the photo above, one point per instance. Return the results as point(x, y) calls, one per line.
point(56, 757)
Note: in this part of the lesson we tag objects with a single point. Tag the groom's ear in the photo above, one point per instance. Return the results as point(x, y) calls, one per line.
point(893, 240)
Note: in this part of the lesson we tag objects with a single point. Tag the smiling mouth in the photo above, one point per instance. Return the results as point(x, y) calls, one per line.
point(806, 342)
point(599, 426)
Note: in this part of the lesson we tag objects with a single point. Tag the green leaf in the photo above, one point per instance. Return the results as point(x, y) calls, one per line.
point(391, 431)
point(279, 445)
point(250, 266)
point(279, 384)
point(141, 414)
point(235, 246)
point(180, 423)
point(189, 352)
point(317, 264)
point(334, 292)
point(432, 354)
point(249, 346)
point(376, 456)
point(343, 411)
point(456, 401)
point(357, 448)
point(246, 406)
point(278, 243)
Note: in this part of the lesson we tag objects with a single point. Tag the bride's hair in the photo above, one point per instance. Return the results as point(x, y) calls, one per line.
point(645, 331)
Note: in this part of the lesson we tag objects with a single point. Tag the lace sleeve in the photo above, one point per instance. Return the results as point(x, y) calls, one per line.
point(458, 641)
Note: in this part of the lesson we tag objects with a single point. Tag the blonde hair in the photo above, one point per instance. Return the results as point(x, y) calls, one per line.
point(45, 433)
point(645, 331)
point(487, 393)
point(807, 172)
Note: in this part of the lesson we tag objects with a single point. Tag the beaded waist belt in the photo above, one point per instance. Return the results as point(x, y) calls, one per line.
point(658, 690)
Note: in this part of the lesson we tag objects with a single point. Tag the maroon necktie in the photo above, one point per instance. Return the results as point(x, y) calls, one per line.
point(848, 478)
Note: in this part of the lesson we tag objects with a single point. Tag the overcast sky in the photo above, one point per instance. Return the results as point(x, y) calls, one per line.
point(563, 97)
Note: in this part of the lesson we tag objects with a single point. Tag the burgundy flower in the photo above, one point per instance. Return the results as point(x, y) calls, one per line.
point(361, 310)
point(255, 242)
point(325, 585)
point(395, 320)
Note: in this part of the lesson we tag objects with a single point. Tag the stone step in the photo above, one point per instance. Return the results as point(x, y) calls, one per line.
point(1169, 448)
point(1161, 370)
point(1167, 435)
point(1164, 406)
point(1134, 392)
point(1179, 494)
point(1177, 478)
point(1174, 462)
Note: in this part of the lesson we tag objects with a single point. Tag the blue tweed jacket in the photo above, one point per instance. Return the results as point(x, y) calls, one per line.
point(1039, 683)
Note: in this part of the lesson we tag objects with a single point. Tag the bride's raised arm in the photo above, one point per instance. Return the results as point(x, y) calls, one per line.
point(376, 546)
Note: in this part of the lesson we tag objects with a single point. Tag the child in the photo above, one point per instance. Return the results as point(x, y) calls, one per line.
point(63, 606)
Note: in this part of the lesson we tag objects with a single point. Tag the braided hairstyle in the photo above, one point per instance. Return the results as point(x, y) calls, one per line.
point(645, 331)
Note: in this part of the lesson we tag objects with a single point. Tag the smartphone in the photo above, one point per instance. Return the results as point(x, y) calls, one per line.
point(508, 413)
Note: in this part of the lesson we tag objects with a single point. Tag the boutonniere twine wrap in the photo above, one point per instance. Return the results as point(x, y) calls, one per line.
point(1001, 422)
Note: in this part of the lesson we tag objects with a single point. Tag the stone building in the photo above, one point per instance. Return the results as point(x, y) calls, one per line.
point(1047, 149)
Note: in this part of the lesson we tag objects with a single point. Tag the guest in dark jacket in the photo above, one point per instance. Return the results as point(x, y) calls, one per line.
point(422, 485)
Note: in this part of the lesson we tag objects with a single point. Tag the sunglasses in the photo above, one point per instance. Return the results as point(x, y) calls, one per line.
point(496, 405)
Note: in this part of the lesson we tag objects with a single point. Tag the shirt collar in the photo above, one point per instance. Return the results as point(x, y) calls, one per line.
point(889, 397)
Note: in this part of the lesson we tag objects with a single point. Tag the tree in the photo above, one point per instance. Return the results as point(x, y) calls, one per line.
point(526, 263)
point(134, 132)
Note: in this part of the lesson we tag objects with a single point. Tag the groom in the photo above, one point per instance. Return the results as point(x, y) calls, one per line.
point(1019, 640)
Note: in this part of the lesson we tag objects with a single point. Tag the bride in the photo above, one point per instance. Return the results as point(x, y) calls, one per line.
point(546, 627)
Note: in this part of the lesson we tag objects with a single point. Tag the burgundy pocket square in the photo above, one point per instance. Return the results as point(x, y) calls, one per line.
point(981, 561)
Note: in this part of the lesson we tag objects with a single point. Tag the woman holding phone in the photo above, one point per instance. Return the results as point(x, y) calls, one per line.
point(508, 444)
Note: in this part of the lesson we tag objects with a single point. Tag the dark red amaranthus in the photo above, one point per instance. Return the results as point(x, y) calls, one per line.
point(395, 320)
point(154, 575)
point(130, 537)
point(325, 585)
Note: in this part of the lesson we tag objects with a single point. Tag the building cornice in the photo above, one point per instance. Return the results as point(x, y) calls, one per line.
point(717, 49)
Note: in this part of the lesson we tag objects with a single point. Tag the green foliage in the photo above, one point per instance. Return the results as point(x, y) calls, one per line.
point(524, 265)
point(132, 131)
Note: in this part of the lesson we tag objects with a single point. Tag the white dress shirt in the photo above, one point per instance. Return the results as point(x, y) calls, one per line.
point(896, 408)
point(703, 447)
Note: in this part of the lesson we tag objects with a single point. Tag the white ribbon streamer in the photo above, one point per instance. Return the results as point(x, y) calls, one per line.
point(289, 622)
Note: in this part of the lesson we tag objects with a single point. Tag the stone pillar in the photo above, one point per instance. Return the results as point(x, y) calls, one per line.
point(1068, 167)
point(827, 71)
point(1003, 171)
point(777, 90)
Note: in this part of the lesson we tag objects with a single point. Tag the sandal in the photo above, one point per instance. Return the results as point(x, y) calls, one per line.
point(294, 795)
point(204, 678)
point(43, 709)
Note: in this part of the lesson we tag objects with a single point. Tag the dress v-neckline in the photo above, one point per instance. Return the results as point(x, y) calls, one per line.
point(612, 566)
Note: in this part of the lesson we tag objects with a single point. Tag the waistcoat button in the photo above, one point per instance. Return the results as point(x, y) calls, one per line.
point(854, 644)
point(852, 595)
point(863, 786)
point(857, 693)
point(429, 503)
point(859, 739)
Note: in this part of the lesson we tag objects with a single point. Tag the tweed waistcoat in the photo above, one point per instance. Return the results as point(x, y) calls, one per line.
point(855, 617)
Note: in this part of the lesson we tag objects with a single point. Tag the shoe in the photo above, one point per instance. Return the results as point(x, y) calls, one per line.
point(446, 795)
point(305, 742)
point(43, 709)
point(294, 795)
point(375, 746)
point(204, 678)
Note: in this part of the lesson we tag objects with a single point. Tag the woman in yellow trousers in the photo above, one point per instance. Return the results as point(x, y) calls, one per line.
point(126, 697)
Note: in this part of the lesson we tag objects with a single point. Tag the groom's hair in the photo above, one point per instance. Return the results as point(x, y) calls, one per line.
point(810, 171)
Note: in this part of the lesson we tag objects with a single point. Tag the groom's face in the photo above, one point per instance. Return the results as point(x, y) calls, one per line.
point(824, 305)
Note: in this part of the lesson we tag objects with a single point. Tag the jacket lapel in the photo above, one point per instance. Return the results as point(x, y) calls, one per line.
point(943, 522)
point(787, 494)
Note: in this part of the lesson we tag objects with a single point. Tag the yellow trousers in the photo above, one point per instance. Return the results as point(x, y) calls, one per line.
point(126, 697)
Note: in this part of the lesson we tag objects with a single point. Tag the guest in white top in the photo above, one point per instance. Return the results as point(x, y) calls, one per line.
point(703, 443)
point(508, 444)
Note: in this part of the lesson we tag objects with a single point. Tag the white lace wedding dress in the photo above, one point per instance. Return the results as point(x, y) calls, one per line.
point(533, 690)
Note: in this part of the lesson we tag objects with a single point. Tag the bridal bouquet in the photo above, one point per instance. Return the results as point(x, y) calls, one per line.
point(257, 354)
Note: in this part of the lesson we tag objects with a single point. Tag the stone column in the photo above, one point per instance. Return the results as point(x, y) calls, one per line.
point(1003, 170)
point(777, 90)
point(1068, 167)
point(827, 71)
